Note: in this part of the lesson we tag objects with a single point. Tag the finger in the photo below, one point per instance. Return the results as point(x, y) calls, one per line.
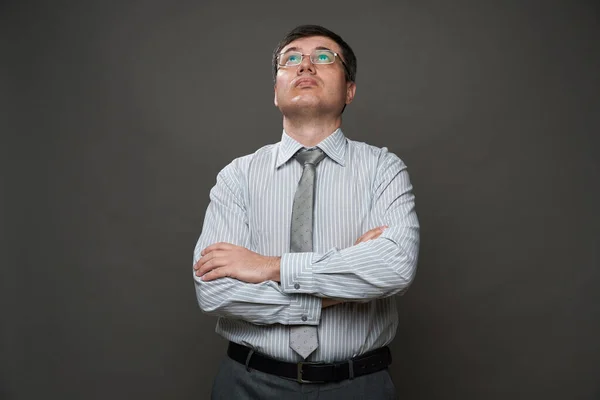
point(212, 247)
point(209, 256)
point(217, 246)
point(359, 240)
point(216, 262)
point(200, 262)
point(363, 238)
point(372, 234)
point(216, 273)
point(210, 265)
point(375, 236)
point(366, 235)
point(377, 232)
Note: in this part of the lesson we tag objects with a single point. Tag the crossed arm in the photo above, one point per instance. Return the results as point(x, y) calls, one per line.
point(226, 260)
point(235, 282)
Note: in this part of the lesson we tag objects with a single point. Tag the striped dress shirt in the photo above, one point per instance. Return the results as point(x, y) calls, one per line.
point(358, 187)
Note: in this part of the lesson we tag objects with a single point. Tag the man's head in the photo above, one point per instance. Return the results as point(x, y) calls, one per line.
point(313, 69)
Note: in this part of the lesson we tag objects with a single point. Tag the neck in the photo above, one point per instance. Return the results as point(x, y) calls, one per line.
point(310, 131)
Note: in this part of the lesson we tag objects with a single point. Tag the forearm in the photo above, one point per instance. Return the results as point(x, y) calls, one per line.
point(262, 303)
point(374, 269)
point(242, 284)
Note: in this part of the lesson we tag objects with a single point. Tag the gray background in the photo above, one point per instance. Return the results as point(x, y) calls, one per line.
point(117, 118)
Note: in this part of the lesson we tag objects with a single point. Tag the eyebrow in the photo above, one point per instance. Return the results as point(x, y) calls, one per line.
point(298, 49)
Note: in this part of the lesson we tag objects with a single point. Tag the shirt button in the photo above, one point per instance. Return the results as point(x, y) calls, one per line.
point(304, 318)
point(296, 286)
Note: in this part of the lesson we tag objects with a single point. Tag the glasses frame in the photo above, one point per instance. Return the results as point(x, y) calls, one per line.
point(302, 55)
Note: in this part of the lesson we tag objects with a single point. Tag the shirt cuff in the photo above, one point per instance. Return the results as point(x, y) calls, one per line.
point(296, 273)
point(305, 310)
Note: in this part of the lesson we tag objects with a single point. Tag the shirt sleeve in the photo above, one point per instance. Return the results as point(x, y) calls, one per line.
point(263, 303)
point(373, 269)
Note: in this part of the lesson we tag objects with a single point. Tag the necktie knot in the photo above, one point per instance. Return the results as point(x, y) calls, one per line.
point(309, 156)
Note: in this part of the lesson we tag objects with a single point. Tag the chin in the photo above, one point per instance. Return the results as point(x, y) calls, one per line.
point(305, 103)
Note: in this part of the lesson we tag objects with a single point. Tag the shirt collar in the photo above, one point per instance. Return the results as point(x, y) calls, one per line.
point(333, 145)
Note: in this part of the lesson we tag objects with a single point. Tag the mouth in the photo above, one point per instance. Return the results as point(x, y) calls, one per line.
point(305, 82)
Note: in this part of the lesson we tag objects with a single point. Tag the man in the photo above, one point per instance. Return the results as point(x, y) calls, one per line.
point(306, 242)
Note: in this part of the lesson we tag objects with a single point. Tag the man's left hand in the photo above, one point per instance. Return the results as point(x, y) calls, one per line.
point(222, 260)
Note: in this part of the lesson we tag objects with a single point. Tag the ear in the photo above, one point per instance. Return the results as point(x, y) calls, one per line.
point(275, 95)
point(350, 92)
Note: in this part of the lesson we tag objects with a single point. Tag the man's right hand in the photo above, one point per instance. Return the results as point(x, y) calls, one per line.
point(370, 235)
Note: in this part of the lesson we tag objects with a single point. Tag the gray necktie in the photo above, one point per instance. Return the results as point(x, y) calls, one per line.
point(303, 338)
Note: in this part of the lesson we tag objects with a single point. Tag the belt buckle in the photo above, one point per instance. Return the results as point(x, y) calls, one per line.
point(299, 373)
point(299, 378)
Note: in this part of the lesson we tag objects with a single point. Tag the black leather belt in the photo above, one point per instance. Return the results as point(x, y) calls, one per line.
point(308, 372)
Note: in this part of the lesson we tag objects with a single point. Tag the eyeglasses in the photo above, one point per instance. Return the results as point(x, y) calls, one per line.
point(317, 57)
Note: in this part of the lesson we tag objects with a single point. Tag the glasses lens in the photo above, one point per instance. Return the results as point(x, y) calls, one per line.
point(290, 58)
point(322, 57)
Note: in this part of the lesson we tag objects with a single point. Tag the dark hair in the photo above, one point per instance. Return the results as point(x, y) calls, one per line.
point(303, 31)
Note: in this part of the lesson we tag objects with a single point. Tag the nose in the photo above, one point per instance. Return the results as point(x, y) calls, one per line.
point(306, 66)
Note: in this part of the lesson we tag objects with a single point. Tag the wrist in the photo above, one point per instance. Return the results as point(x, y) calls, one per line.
point(273, 264)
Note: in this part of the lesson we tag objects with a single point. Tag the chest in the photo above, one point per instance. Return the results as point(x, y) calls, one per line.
point(342, 204)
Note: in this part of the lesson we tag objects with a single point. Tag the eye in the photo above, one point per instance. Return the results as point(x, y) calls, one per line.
point(293, 58)
point(324, 57)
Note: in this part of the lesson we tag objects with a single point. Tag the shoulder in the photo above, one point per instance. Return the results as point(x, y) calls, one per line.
point(262, 155)
point(381, 157)
point(239, 168)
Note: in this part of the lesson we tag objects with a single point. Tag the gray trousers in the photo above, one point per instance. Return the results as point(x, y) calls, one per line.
point(235, 382)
